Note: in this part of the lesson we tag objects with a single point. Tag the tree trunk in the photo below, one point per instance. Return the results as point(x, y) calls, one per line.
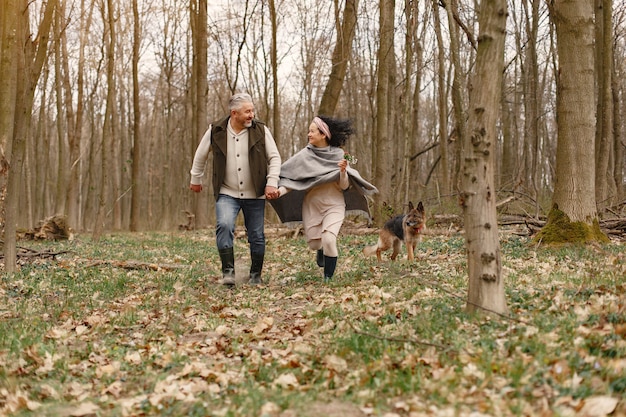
point(74, 198)
point(618, 141)
point(9, 17)
point(107, 127)
point(199, 39)
point(340, 58)
point(458, 98)
point(137, 138)
point(530, 76)
point(383, 141)
point(508, 163)
point(486, 284)
point(29, 63)
point(277, 133)
point(442, 104)
point(573, 217)
point(605, 187)
point(408, 130)
point(64, 113)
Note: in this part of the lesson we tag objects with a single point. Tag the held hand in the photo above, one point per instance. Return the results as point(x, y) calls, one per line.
point(343, 165)
point(271, 193)
point(196, 188)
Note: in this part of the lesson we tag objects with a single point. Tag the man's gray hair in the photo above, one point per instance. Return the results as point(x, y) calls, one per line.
point(238, 99)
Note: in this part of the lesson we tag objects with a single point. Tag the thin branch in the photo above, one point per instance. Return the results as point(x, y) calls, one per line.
point(457, 19)
point(399, 339)
point(434, 284)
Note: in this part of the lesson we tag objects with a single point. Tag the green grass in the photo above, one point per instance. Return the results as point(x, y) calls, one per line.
point(85, 330)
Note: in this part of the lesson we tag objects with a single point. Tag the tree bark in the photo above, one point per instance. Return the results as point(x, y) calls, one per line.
point(486, 284)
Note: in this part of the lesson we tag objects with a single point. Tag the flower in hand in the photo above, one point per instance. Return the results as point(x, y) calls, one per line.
point(351, 159)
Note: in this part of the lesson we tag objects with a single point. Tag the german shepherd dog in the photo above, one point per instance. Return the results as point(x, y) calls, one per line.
point(406, 227)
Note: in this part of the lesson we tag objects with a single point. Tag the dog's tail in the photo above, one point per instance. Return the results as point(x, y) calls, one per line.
point(370, 250)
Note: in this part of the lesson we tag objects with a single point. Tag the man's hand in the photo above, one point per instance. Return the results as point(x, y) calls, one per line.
point(271, 193)
point(196, 188)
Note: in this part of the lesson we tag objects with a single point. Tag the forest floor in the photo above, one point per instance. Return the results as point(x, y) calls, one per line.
point(138, 325)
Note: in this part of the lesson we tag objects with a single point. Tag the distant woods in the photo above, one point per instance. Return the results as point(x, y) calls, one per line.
point(104, 102)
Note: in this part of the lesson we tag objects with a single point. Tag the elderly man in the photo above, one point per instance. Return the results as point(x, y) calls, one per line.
point(246, 167)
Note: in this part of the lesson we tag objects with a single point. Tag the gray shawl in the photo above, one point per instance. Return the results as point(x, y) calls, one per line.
point(311, 167)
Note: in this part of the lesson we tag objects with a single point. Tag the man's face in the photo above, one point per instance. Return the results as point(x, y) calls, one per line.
point(242, 117)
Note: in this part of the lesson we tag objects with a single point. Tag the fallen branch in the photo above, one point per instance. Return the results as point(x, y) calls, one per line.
point(134, 265)
point(28, 254)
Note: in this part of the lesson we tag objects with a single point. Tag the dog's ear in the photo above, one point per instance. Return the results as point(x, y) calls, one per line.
point(420, 207)
point(410, 206)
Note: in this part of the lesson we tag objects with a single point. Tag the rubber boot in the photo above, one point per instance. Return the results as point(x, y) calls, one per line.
point(227, 256)
point(256, 266)
point(330, 263)
point(320, 258)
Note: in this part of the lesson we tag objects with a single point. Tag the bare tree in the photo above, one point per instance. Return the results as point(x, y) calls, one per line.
point(442, 100)
point(74, 197)
point(29, 61)
point(478, 194)
point(341, 54)
point(413, 58)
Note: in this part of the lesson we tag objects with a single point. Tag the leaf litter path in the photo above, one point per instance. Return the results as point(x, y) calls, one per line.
point(100, 339)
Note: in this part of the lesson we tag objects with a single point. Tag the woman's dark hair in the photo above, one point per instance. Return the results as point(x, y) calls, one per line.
point(340, 130)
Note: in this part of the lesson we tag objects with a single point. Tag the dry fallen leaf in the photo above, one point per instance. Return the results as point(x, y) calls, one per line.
point(84, 409)
point(599, 406)
point(288, 381)
point(335, 363)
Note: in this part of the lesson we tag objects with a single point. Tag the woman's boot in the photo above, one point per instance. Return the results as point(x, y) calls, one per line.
point(330, 263)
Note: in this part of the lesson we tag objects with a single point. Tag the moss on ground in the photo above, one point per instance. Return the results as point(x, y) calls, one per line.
point(559, 229)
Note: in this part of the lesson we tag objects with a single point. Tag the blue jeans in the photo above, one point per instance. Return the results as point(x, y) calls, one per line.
point(226, 210)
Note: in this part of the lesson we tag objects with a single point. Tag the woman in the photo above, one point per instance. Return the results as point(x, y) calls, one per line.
point(317, 186)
